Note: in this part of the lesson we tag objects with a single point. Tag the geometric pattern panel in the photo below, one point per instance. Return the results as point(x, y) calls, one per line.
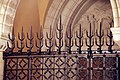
point(62, 67)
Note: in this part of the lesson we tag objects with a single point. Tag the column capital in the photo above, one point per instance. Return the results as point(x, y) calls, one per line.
point(116, 35)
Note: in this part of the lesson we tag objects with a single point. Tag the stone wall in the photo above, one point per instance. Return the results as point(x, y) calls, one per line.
point(1, 66)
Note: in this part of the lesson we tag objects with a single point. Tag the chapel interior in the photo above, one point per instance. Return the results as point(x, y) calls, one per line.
point(73, 17)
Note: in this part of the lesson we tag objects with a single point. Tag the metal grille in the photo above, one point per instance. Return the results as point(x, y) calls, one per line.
point(81, 64)
point(62, 67)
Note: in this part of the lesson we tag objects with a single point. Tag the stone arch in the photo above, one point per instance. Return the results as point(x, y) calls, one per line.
point(55, 8)
point(51, 17)
point(68, 13)
point(7, 14)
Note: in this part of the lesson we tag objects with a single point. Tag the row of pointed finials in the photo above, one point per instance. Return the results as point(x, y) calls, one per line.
point(49, 42)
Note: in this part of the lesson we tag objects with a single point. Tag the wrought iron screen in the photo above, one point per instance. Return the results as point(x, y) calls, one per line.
point(57, 64)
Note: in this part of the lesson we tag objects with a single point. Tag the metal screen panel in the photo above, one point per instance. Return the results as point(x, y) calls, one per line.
point(62, 67)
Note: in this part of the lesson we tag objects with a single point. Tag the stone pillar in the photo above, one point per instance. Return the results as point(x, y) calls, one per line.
point(1, 65)
point(115, 10)
point(116, 14)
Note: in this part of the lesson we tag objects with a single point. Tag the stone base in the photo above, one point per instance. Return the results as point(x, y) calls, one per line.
point(116, 35)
